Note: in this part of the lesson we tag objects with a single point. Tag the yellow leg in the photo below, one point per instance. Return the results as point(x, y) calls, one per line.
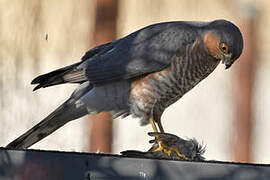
point(152, 122)
point(160, 126)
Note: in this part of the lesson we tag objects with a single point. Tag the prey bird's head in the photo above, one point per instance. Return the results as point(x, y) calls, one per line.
point(223, 41)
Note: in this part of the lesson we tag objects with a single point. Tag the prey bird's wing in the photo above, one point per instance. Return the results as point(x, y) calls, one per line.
point(68, 111)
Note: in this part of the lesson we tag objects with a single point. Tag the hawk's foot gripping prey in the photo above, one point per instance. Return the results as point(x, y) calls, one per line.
point(140, 75)
point(178, 148)
point(167, 147)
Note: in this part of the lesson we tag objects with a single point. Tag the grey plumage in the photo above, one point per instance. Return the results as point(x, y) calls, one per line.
point(140, 74)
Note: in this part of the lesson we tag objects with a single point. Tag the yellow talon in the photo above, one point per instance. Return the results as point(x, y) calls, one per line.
point(178, 153)
point(168, 150)
point(160, 147)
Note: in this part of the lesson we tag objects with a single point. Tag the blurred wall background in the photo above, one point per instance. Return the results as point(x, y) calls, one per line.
point(39, 36)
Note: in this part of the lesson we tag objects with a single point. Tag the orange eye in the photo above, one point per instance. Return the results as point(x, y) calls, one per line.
point(224, 48)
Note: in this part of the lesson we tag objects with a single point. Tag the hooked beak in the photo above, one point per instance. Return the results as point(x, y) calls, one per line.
point(228, 64)
point(227, 61)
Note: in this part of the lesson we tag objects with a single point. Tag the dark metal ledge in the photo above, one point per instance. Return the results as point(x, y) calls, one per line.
point(39, 165)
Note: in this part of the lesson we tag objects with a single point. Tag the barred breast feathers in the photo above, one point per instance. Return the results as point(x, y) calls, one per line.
point(156, 91)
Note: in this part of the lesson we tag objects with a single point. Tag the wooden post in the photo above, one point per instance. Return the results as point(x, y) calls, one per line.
point(105, 31)
point(243, 84)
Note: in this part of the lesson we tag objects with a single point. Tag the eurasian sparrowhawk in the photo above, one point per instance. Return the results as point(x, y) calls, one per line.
point(140, 74)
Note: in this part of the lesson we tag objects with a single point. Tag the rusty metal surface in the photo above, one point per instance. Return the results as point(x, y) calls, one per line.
point(35, 164)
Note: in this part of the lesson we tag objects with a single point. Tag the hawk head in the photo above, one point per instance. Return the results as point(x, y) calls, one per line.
point(223, 41)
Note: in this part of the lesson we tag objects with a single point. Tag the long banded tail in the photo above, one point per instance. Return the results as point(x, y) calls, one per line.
point(63, 114)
